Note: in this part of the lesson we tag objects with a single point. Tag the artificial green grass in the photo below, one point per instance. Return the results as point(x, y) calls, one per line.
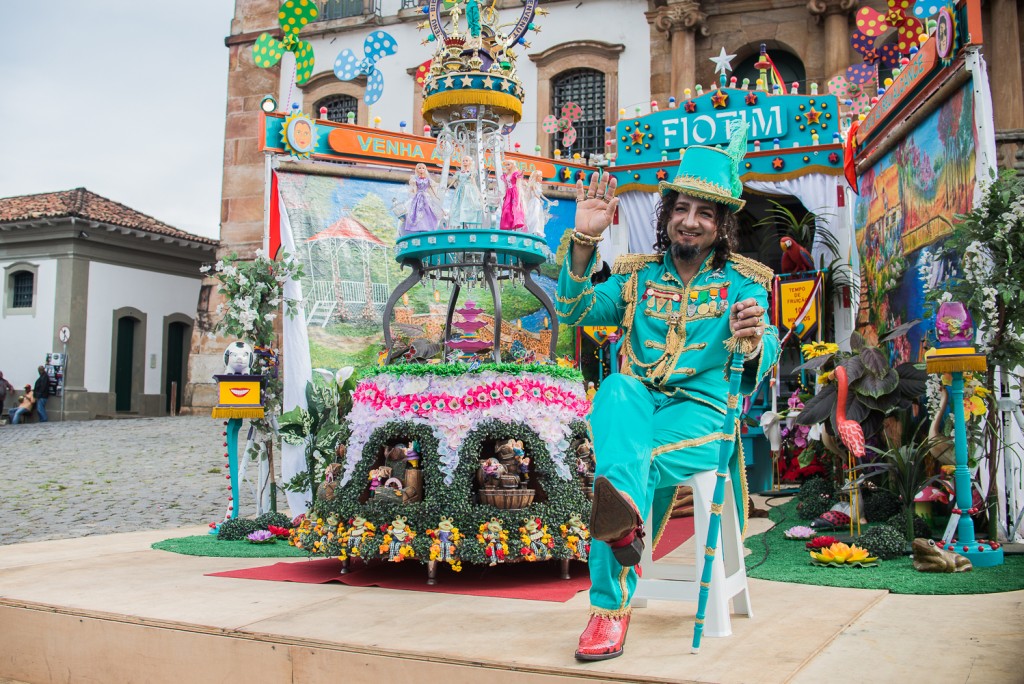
point(209, 545)
point(789, 561)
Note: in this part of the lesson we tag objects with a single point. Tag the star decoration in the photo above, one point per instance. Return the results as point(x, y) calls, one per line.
point(449, 82)
point(833, 158)
point(720, 99)
point(778, 163)
point(662, 174)
point(751, 98)
point(722, 62)
point(690, 106)
point(467, 81)
point(637, 137)
point(813, 116)
point(567, 173)
point(488, 83)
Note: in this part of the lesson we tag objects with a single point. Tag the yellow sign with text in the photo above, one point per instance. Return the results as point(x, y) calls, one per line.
point(793, 296)
point(599, 333)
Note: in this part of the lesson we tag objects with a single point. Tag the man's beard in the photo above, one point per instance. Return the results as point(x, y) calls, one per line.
point(685, 253)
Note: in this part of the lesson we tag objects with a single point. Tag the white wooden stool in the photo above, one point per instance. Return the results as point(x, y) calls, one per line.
point(666, 581)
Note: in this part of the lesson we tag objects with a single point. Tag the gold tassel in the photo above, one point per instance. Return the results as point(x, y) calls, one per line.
point(957, 364)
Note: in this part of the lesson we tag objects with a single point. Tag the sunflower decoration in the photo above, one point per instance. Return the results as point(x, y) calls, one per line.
point(813, 350)
point(840, 555)
point(299, 135)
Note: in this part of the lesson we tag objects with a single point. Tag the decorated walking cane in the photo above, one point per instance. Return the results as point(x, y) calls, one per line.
point(718, 498)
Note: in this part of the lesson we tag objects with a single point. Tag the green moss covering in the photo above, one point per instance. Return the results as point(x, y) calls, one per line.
point(790, 561)
point(209, 545)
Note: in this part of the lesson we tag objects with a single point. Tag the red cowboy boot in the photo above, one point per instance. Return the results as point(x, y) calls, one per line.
point(615, 520)
point(603, 638)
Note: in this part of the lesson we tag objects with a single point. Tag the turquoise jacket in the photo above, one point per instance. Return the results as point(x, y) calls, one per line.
point(676, 335)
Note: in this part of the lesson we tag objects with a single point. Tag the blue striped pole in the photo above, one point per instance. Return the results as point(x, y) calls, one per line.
point(718, 498)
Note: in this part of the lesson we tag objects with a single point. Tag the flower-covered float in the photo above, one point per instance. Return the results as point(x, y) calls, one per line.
point(456, 463)
point(450, 455)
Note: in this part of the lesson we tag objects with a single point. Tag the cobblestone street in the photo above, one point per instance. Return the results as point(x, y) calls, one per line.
point(77, 479)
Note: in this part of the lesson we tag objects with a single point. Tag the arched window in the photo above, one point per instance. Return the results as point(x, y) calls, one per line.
point(585, 87)
point(790, 68)
point(22, 285)
point(338, 108)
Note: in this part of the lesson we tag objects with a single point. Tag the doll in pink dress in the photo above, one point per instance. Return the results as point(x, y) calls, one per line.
point(512, 215)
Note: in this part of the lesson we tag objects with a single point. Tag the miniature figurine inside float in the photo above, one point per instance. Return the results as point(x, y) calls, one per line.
point(461, 458)
point(954, 354)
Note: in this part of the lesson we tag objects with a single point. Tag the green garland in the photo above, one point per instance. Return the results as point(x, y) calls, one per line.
point(460, 369)
point(564, 497)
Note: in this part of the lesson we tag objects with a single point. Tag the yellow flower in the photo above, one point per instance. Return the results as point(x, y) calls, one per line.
point(825, 378)
point(815, 349)
point(974, 407)
point(841, 553)
point(981, 392)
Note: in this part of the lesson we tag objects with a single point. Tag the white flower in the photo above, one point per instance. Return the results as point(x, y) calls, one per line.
point(260, 253)
point(344, 374)
point(205, 268)
point(270, 316)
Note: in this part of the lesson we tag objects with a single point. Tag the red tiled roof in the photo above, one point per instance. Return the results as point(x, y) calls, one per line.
point(347, 229)
point(82, 203)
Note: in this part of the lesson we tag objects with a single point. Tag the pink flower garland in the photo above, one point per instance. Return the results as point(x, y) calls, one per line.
point(481, 396)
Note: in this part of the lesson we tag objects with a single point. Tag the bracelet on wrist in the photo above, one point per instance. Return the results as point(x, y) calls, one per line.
point(585, 240)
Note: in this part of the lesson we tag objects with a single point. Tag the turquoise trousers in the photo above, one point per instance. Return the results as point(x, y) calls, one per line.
point(646, 444)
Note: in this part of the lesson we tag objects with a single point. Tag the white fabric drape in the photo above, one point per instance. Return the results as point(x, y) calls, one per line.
point(819, 193)
point(638, 208)
point(297, 368)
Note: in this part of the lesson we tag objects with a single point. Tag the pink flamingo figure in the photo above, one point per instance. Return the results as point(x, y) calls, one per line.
point(852, 435)
point(850, 432)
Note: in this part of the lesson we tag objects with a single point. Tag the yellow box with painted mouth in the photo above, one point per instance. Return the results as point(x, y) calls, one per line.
point(239, 396)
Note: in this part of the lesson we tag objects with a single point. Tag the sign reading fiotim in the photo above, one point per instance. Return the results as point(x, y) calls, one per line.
point(792, 120)
point(714, 128)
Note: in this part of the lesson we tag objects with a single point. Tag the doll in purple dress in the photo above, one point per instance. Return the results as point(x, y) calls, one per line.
point(423, 212)
point(512, 215)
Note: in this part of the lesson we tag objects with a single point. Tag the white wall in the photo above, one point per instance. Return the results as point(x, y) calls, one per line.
point(611, 21)
point(155, 294)
point(26, 339)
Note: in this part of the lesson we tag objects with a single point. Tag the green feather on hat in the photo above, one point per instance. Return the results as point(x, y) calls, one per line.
point(711, 173)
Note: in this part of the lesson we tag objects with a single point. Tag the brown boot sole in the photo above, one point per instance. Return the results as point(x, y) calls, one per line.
point(614, 516)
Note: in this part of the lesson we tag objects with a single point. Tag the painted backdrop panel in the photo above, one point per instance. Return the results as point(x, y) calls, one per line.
point(907, 204)
point(345, 231)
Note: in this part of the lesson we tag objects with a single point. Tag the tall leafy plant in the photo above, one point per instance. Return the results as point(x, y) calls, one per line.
point(317, 428)
point(876, 389)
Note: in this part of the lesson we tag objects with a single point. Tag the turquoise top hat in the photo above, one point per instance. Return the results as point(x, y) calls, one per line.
point(711, 173)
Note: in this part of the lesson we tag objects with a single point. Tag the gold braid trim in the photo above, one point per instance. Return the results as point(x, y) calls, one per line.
point(664, 520)
point(579, 320)
point(755, 270)
point(631, 263)
point(613, 614)
point(687, 443)
point(744, 492)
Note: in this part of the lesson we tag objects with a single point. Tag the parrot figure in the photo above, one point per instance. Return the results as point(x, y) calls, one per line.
point(794, 257)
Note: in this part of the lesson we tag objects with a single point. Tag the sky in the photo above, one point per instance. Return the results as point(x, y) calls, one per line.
point(122, 97)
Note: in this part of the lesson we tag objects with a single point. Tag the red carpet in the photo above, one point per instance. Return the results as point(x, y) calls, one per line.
point(530, 581)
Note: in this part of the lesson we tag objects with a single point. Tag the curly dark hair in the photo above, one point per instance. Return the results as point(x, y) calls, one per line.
point(725, 220)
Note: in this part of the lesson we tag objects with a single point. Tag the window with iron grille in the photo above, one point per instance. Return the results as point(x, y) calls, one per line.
point(22, 285)
point(339, 9)
point(338, 107)
point(410, 4)
point(585, 87)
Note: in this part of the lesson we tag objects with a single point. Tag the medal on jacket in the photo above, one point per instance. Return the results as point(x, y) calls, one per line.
point(691, 308)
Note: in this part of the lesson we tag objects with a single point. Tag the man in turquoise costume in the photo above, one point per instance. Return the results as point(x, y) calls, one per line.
point(683, 311)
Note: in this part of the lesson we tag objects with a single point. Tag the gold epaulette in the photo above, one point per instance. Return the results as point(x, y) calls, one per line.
point(755, 270)
point(631, 263)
